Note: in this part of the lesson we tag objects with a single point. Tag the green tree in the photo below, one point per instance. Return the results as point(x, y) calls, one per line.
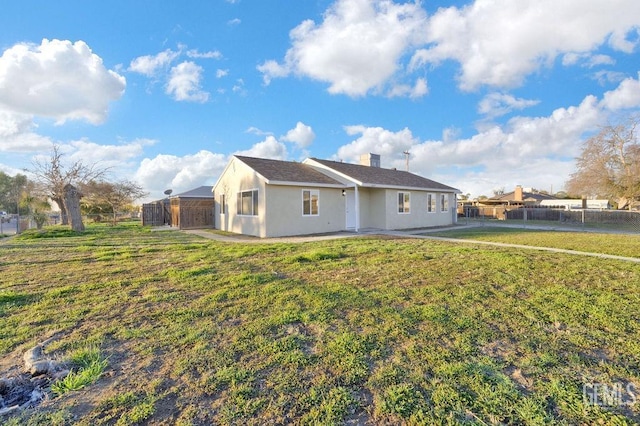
point(110, 197)
point(11, 189)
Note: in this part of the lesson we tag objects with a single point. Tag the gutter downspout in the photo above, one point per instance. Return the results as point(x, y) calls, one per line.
point(357, 207)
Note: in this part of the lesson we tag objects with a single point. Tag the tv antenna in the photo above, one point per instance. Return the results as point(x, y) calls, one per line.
point(406, 159)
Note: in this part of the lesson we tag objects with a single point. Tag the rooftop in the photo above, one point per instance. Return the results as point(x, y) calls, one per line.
point(287, 171)
point(377, 176)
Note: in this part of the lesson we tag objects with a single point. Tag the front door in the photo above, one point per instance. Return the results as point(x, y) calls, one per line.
point(350, 199)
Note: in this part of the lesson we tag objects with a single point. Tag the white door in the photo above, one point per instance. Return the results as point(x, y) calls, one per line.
point(351, 209)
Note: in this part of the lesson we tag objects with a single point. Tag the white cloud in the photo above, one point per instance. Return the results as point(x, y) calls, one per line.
point(239, 87)
point(536, 151)
point(302, 135)
point(234, 22)
point(17, 135)
point(106, 156)
point(269, 148)
point(587, 60)
point(377, 140)
point(356, 48)
point(149, 65)
point(182, 173)
point(500, 42)
point(498, 104)
point(272, 69)
point(419, 90)
point(184, 83)
point(213, 54)
point(179, 173)
point(255, 131)
point(604, 77)
point(57, 79)
point(626, 95)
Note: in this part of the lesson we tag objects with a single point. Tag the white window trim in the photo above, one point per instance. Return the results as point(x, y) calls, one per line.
point(442, 204)
point(311, 192)
point(434, 197)
point(398, 205)
point(243, 191)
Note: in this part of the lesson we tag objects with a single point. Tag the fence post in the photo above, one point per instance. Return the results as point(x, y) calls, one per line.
point(583, 218)
point(524, 217)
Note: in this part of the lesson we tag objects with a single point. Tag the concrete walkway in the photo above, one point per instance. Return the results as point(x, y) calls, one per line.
point(417, 234)
point(521, 246)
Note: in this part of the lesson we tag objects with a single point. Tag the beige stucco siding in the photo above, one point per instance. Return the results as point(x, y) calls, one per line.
point(284, 211)
point(418, 215)
point(238, 177)
point(373, 208)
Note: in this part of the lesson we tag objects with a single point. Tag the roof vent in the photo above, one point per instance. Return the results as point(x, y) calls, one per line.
point(371, 160)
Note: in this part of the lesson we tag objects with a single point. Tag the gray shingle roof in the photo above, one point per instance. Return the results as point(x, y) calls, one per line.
point(199, 192)
point(287, 171)
point(377, 176)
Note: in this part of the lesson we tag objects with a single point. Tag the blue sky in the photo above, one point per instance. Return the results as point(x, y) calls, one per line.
point(484, 94)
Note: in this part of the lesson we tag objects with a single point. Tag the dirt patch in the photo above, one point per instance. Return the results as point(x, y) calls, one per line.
point(27, 381)
point(504, 351)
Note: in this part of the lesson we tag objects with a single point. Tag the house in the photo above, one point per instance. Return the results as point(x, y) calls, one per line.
point(518, 197)
point(272, 198)
point(498, 206)
point(192, 209)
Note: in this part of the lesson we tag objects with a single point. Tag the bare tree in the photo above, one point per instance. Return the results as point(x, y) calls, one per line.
point(114, 195)
point(609, 165)
point(56, 179)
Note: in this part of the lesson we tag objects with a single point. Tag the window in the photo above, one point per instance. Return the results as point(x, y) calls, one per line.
point(444, 204)
point(310, 201)
point(431, 203)
point(223, 204)
point(247, 203)
point(404, 202)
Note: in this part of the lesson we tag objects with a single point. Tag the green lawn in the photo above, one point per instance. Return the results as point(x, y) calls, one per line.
point(616, 244)
point(371, 329)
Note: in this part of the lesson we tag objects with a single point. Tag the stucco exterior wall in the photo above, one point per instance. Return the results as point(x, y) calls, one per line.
point(418, 217)
point(373, 208)
point(280, 207)
point(239, 177)
point(284, 211)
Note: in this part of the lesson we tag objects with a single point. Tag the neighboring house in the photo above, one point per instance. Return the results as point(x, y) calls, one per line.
point(499, 206)
point(518, 197)
point(192, 209)
point(271, 198)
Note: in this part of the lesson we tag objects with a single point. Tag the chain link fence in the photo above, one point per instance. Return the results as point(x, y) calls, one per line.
point(609, 220)
point(12, 224)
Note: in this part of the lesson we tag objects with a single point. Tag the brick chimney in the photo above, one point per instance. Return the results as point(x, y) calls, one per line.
point(371, 160)
point(517, 194)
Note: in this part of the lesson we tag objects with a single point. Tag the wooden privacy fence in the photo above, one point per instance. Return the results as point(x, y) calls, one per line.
point(156, 214)
point(192, 213)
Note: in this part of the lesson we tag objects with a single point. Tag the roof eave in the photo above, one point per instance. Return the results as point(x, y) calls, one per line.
point(309, 184)
point(412, 188)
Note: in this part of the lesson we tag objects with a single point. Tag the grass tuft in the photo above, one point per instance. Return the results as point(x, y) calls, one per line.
point(89, 368)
